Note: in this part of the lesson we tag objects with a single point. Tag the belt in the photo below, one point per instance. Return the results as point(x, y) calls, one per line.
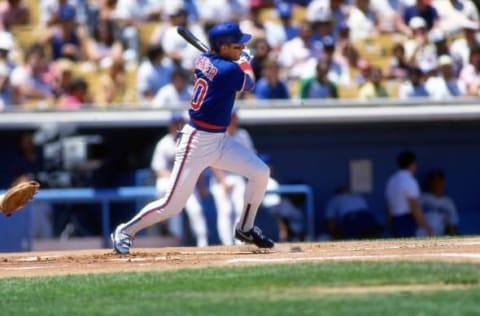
point(207, 127)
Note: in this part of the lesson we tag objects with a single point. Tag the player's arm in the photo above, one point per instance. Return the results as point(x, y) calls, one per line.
point(418, 215)
point(244, 63)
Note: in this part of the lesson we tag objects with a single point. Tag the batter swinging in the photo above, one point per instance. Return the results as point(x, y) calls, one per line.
point(203, 143)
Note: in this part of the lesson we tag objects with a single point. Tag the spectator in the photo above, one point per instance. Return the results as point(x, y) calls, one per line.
point(319, 86)
point(445, 84)
point(439, 209)
point(338, 67)
point(337, 10)
point(453, 13)
point(298, 56)
point(66, 38)
point(13, 12)
point(262, 53)
point(399, 67)
point(259, 28)
point(175, 47)
point(362, 21)
point(176, 94)
point(78, 97)
point(418, 49)
point(8, 97)
point(285, 13)
point(114, 84)
point(103, 46)
point(404, 213)
point(29, 79)
point(162, 164)
point(50, 11)
point(127, 15)
point(228, 188)
point(374, 87)
point(154, 72)
point(423, 9)
point(270, 85)
point(439, 39)
point(413, 87)
point(349, 216)
point(462, 46)
point(221, 10)
point(62, 78)
point(470, 74)
point(345, 48)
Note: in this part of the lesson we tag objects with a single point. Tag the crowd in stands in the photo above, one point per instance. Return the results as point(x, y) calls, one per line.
point(71, 54)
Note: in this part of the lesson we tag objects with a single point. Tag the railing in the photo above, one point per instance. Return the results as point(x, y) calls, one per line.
point(107, 196)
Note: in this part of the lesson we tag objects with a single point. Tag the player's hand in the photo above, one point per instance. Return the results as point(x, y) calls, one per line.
point(246, 55)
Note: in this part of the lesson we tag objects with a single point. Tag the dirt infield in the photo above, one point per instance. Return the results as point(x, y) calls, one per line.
point(33, 264)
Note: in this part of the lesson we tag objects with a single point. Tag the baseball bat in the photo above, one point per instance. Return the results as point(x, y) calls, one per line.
point(192, 39)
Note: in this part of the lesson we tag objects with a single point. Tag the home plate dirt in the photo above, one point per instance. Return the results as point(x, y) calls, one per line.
point(31, 264)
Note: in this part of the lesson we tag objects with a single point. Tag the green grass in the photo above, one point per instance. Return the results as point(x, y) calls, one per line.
point(300, 289)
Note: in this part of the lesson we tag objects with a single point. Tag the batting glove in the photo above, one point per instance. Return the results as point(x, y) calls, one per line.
point(246, 55)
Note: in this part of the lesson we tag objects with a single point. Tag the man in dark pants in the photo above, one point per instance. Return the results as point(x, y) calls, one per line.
point(402, 193)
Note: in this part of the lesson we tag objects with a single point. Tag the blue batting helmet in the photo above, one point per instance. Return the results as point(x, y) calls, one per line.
point(226, 33)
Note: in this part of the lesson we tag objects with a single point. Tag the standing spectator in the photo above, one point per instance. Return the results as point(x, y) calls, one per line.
point(154, 72)
point(270, 85)
point(445, 84)
point(413, 87)
point(28, 80)
point(374, 87)
point(176, 94)
point(228, 188)
point(439, 209)
point(162, 164)
point(402, 193)
point(13, 12)
point(349, 216)
point(319, 86)
point(66, 38)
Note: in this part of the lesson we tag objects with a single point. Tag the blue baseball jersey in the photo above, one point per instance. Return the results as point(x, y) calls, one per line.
point(216, 84)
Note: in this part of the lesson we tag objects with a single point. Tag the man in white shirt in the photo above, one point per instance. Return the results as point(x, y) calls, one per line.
point(439, 210)
point(402, 194)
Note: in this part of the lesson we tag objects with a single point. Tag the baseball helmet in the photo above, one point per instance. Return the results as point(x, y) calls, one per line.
point(226, 33)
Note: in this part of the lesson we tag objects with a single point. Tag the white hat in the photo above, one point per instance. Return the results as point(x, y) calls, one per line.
point(174, 7)
point(417, 22)
point(444, 60)
point(6, 40)
point(437, 35)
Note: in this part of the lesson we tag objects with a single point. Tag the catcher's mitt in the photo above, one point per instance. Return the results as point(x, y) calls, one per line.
point(17, 196)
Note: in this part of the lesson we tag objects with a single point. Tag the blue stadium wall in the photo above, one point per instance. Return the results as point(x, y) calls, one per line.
point(319, 155)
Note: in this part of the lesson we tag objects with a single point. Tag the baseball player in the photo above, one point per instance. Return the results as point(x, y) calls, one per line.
point(162, 163)
point(203, 142)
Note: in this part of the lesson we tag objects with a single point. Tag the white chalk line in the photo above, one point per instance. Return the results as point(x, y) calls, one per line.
point(43, 267)
point(356, 257)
